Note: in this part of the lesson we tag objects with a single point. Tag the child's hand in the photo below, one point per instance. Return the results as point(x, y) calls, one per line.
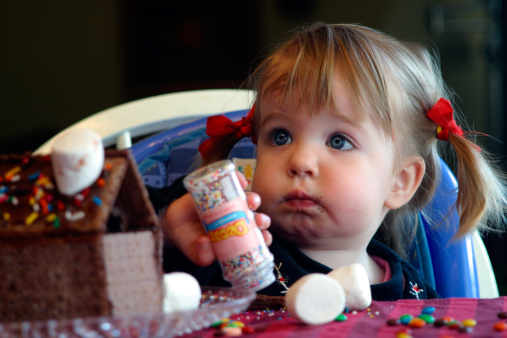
point(183, 228)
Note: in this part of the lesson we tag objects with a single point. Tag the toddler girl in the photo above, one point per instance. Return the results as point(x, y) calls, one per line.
point(346, 122)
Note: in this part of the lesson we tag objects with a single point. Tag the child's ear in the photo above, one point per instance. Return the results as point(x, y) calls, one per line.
point(406, 182)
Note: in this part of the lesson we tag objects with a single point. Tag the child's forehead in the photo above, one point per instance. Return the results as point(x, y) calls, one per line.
point(340, 105)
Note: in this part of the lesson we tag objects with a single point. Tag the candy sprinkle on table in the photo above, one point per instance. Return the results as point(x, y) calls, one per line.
point(341, 318)
point(500, 326)
point(428, 310)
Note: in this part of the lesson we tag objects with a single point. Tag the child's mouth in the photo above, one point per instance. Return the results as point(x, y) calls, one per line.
point(299, 200)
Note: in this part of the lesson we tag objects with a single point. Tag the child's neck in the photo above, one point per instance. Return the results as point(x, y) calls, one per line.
point(338, 258)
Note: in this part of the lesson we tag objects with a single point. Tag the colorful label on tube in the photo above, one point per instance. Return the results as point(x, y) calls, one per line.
point(237, 242)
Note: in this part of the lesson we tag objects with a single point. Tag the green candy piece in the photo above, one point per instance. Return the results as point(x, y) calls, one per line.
point(341, 318)
point(405, 319)
point(427, 318)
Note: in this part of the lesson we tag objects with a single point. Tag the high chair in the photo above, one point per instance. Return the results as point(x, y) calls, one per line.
point(459, 268)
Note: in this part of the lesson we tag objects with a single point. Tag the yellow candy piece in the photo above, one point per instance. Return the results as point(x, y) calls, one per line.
point(403, 335)
point(30, 219)
point(469, 322)
point(237, 323)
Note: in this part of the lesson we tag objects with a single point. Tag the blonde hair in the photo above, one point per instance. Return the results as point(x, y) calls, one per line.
point(395, 84)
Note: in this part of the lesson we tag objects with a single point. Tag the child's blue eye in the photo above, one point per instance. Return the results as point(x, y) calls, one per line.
point(339, 142)
point(280, 137)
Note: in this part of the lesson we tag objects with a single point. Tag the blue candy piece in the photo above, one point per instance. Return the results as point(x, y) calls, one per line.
point(405, 319)
point(428, 310)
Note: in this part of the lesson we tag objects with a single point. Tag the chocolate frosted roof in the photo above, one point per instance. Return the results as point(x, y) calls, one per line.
point(30, 204)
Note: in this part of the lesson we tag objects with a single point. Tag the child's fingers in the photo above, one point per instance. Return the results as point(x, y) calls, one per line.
point(263, 222)
point(242, 179)
point(268, 238)
point(204, 254)
point(253, 200)
point(183, 229)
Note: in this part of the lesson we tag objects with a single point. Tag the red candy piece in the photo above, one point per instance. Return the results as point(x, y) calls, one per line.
point(454, 325)
point(85, 191)
point(77, 202)
point(500, 326)
point(101, 182)
point(416, 323)
point(248, 329)
point(60, 206)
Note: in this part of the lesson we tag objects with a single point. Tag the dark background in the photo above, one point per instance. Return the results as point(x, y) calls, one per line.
point(61, 61)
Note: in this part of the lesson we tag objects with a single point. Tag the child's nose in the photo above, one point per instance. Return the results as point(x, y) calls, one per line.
point(303, 162)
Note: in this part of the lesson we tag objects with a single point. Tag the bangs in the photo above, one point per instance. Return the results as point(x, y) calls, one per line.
point(302, 71)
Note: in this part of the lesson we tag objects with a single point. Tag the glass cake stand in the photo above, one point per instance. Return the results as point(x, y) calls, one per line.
point(216, 303)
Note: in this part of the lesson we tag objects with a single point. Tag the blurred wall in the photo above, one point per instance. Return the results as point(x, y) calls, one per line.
point(60, 61)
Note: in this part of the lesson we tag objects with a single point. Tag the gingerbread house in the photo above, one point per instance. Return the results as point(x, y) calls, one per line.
point(96, 253)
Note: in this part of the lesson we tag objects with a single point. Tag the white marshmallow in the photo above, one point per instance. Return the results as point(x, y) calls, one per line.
point(315, 299)
point(77, 159)
point(354, 280)
point(181, 292)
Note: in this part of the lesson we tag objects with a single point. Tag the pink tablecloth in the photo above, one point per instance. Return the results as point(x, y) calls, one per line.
point(373, 321)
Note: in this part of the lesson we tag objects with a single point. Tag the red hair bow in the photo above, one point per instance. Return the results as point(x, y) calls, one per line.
point(442, 114)
point(221, 128)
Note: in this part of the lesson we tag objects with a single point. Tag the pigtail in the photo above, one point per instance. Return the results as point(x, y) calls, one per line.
point(482, 194)
point(224, 134)
point(217, 151)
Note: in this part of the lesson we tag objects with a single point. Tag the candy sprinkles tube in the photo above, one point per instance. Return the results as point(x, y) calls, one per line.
point(238, 243)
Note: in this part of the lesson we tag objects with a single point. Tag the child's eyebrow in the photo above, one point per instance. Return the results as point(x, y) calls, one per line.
point(272, 116)
point(354, 121)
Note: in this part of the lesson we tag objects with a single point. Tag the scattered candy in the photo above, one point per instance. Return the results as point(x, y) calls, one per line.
point(31, 218)
point(428, 310)
point(404, 333)
point(101, 182)
point(393, 322)
point(466, 329)
point(454, 325)
point(441, 322)
point(237, 324)
point(469, 322)
point(405, 319)
point(502, 315)
point(500, 326)
point(248, 329)
point(341, 318)
point(450, 327)
point(429, 319)
point(97, 200)
point(416, 323)
point(70, 216)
